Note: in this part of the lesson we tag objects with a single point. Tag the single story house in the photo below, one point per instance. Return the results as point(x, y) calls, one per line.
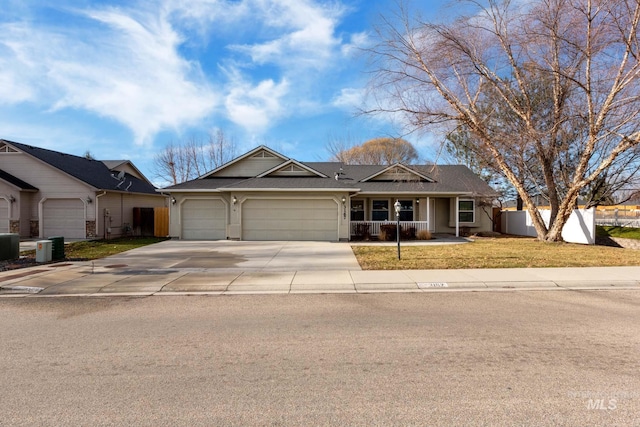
point(263, 195)
point(45, 193)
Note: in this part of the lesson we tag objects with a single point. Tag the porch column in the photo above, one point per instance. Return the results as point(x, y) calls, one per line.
point(457, 216)
point(428, 214)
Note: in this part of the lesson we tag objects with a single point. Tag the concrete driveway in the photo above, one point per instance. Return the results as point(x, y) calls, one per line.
point(236, 256)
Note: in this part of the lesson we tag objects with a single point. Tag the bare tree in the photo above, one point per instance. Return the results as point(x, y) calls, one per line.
point(377, 151)
point(338, 145)
point(193, 157)
point(171, 165)
point(221, 149)
point(565, 74)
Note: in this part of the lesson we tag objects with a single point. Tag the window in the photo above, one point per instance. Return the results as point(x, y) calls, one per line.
point(466, 211)
point(406, 210)
point(380, 210)
point(357, 210)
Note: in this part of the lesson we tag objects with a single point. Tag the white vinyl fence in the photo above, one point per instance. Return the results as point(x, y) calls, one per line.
point(580, 228)
point(619, 216)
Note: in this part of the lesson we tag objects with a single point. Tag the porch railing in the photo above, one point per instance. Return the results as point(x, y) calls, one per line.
point(358, 228)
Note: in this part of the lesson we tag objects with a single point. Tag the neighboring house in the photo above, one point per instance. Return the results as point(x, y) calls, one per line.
point(45, 193)
point(263, 195)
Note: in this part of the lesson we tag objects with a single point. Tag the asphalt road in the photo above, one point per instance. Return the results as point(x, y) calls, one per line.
point(457, 358)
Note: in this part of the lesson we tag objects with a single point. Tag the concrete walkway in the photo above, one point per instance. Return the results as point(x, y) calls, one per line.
point(226, 268)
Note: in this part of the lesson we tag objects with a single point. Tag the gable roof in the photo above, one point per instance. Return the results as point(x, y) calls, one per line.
point(261, 148)
point(397, 166)
point(92, 172)
point(294, 163)
point(356, 179)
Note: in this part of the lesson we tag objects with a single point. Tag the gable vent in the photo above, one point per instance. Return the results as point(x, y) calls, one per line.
point(4, 148)
point(263, 155)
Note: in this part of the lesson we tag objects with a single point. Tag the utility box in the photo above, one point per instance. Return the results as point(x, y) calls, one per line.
point(9, 246)
point(57, 248)
point(43, 251)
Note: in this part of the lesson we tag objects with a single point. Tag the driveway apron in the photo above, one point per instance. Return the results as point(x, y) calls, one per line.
point(235, 256)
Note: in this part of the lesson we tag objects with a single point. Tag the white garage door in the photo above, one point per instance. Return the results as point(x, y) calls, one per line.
point(299, 219)
point(203, 219)
point(4, 216)
point(64, 217)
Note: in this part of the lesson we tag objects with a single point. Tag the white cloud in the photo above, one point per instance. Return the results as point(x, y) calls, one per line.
point(349, 98)
point(125, 67)
point(357, 41)
point(127, 63)
point(303, 34)
point(256, 107)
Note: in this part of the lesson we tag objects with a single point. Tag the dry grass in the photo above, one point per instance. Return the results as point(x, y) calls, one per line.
point(503, 252)
point(94, 249)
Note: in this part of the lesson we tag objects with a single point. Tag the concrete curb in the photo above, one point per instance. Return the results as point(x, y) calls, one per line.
point(78, 279)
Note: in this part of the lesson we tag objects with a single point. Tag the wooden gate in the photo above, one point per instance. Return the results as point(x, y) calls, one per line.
point(160, 222)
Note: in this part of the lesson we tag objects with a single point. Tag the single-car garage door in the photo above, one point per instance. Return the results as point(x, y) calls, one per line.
point(64, 217)
point(204, 219)
point(4, 216)
point(290, 219)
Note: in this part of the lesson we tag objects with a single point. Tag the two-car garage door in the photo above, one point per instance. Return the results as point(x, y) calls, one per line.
point(290, 219)
point(262, 219)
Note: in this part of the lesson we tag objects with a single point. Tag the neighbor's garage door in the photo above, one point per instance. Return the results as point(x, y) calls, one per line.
point(64, 217)
point(203, 219)
point(4, 216)
point(299, 219)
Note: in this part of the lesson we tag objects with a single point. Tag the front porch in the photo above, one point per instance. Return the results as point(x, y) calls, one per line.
point(373, 217)
point(365, 230)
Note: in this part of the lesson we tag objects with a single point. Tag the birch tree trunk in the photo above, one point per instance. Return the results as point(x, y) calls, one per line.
point(548, 89)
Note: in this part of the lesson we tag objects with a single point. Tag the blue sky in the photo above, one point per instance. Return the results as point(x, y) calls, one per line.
point(123, 78)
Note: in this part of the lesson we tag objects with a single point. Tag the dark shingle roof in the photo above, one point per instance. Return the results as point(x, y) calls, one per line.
point(447, 179)
point(5, 176)
point(288, 183)
point(92, 172)
point(205, 184)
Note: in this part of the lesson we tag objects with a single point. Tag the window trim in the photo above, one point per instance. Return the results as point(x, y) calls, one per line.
point(380, 210)
point(463, 211)
point(412, 210)
point(363, 210)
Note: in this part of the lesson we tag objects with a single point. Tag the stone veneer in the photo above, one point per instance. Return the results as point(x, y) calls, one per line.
point(91, 229)
point(34, 226)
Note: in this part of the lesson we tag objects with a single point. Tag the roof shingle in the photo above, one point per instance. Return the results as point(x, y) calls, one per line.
point(92, 172)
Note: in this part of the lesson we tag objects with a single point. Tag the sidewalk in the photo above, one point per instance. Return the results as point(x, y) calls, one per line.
point(86, 279)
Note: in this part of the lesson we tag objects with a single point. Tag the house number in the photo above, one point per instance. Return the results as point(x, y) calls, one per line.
point(433, 285)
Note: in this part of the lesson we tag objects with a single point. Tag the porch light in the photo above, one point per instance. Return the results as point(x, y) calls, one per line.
point(397, 207)
point(234, 200)
point(89, 201)
point(173, 200)
point(12, 199)
point(344, 200)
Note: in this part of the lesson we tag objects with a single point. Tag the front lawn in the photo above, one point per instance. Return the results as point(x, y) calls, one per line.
point(94, 249)
point(500, 252)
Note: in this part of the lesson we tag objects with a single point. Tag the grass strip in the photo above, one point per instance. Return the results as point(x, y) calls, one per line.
point(502, 252)
point(622, 232)
point(94, 249)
